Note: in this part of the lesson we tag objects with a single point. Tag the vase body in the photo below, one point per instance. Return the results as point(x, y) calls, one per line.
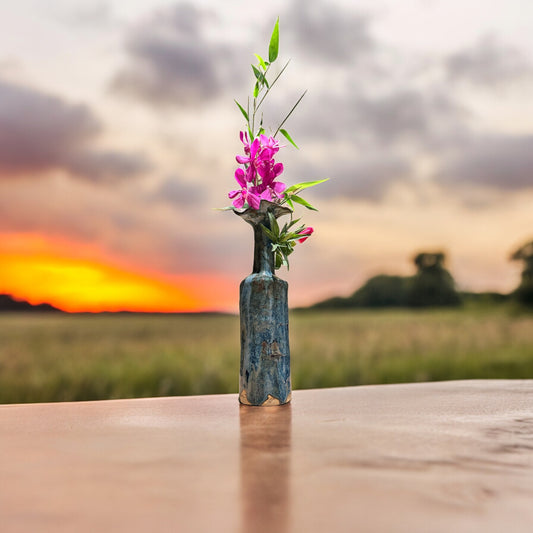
point(265, 373)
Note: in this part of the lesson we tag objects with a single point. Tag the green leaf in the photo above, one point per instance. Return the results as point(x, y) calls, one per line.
point(303, 202)
point(274, 225)
point(289, 202)
point(304, 185)
point(256, 89)
point(295, 234)
point(268, 233)
point(273, 47)
point(245, 114)
point(261, 61)
point(259, 75)
point(294, 222)
point(288, 137)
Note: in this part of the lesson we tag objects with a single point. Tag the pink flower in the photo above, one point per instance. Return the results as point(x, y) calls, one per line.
point(257, 178)
point(262, 192)
point(244, 139)
point(277, 188)
point(251, 153)
point(269, 146)
point(239, 196)
point(240, 177)
point(307, 232)
point(269, 170)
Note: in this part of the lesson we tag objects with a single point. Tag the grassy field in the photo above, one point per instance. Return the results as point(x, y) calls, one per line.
point(50, 357)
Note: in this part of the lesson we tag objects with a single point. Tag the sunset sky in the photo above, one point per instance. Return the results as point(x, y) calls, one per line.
point(118, 135)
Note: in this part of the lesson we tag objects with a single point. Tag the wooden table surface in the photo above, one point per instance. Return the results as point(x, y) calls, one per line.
point(431, 457)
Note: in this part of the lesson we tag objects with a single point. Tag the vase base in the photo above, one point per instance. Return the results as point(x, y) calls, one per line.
point(269, 402)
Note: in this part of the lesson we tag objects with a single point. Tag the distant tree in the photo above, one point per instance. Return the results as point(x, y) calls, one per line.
point(379, 291)
point(432, 285)
point(337, 302)
point(382, 291)
point(484, 298)
point(524, 292)
point(10, 304)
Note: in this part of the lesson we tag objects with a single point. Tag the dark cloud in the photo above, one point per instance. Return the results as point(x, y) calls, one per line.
point(499, 162)
point(107, 165)
point(489, 63)
point(175, 192)
point(40, 132)
point(172, 62)
point(327, 33)
point(405, 113)
point(428, 119)
point(363, 177)
point(367, 178)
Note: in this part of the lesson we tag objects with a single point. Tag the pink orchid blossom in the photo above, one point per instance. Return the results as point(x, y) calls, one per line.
point(269, 170)
point(239, 196)
point(257, 178)
point(244, 139)
point(252, 152)
point(269, 146)
point(254, 199)
point(278, 187)
point(262, 192)
point(250, 196)
point(307, 232)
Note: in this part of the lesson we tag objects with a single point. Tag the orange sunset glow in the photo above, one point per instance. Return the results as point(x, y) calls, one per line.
point(40, 270)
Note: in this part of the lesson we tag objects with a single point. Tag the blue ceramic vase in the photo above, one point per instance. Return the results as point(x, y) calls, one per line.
point(265, 370)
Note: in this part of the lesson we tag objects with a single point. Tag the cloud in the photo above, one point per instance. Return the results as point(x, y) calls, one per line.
point(501, 162)
point(173, 191)
point(107, 165)
point(40, 132)
point(428, 119)
point(329, 34)
point(488, 63)
point(127, 225)
point(171, 62)
point(364, 178)
point(86, 14)
point(396, 115)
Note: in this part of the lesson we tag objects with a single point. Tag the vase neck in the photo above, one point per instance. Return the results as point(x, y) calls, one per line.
point(263, 255)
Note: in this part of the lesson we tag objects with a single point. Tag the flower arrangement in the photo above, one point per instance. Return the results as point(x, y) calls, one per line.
point(258, 171)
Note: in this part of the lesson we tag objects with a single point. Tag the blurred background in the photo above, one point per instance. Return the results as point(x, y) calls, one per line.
point(118, 135)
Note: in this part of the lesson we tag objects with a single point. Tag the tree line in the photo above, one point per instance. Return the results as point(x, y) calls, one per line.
point(431, 286)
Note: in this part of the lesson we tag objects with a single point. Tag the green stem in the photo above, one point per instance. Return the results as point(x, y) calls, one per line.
point(290, 113)
point(256, 107)
point(273, 83)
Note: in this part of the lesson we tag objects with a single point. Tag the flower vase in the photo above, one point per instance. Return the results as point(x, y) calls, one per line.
point(265, 372)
